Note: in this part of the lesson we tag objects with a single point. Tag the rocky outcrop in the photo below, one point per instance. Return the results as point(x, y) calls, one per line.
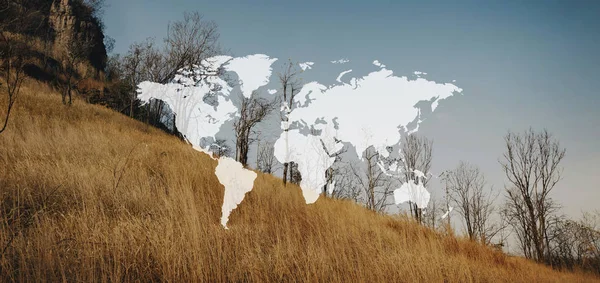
point(47, 26)
point(72, 20)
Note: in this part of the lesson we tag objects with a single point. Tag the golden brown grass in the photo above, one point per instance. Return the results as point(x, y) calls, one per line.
point(89, 195)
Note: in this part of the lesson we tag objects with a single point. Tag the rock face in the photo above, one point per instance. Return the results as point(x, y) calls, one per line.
point(71, 20)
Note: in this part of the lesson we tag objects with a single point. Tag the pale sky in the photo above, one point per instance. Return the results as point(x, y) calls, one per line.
point(520, 64)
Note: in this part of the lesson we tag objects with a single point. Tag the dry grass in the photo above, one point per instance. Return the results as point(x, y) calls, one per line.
point(89, 195)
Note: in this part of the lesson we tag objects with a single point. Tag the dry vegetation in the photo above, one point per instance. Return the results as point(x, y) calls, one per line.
point(89, 195)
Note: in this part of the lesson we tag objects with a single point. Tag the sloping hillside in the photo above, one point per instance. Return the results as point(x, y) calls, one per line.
point(89, 195)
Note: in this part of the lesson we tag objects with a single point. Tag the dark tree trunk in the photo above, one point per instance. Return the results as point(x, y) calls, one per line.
point(242, 150)
point(291, 172)
point(131, 106)
point(69, 93)
point(285, 172)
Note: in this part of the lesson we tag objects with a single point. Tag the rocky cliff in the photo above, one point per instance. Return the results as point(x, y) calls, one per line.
point(48, 26)
point(73, 20)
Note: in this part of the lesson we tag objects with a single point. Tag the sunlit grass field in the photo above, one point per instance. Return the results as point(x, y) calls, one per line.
point(89, 195)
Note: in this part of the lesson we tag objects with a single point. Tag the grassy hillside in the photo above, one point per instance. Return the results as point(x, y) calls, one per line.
point(89, 195)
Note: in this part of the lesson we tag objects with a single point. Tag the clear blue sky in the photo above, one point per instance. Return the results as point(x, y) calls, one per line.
point(520, 64)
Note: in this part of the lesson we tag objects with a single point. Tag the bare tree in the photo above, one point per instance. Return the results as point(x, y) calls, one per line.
point(341, 183)
point(447, 209)
point(134, 64)
point(144, 62)
point(591, 237)
point(118, 87)
point(252, 111)
point(473, 202)
point(290, 86)
point(375, 184)
point(15, 20)
point(188, 45)
point(266, 161)
point(531, 164)
point(332, 173)
point(576, 243)
point(345, 185)
point(432, 214)
point(12, 67)
point(416, 154)
point(74, 52)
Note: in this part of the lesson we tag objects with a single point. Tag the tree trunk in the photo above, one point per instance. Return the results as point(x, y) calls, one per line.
point(244, 155)
point(285, 172)
point(291, 173)
point(131, 106)
point(69, 93)
point(241, 147)
point(327, 182)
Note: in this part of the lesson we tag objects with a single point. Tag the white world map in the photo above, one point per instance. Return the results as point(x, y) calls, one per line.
point(370, 110)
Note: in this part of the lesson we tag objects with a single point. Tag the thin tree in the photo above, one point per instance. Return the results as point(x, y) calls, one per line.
point(332, 173)
point(467, 187)
point(416, 154)
point(576, 243)
point(531, 164)
point(189, 43)
point(432, 214)
point(15, 20)
point(265, 161)
point(133, 64)
point(74, 52)
point(374, 182)
point(290, 86)
point(252, 111)
point(12, 67)
point(341, 176)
